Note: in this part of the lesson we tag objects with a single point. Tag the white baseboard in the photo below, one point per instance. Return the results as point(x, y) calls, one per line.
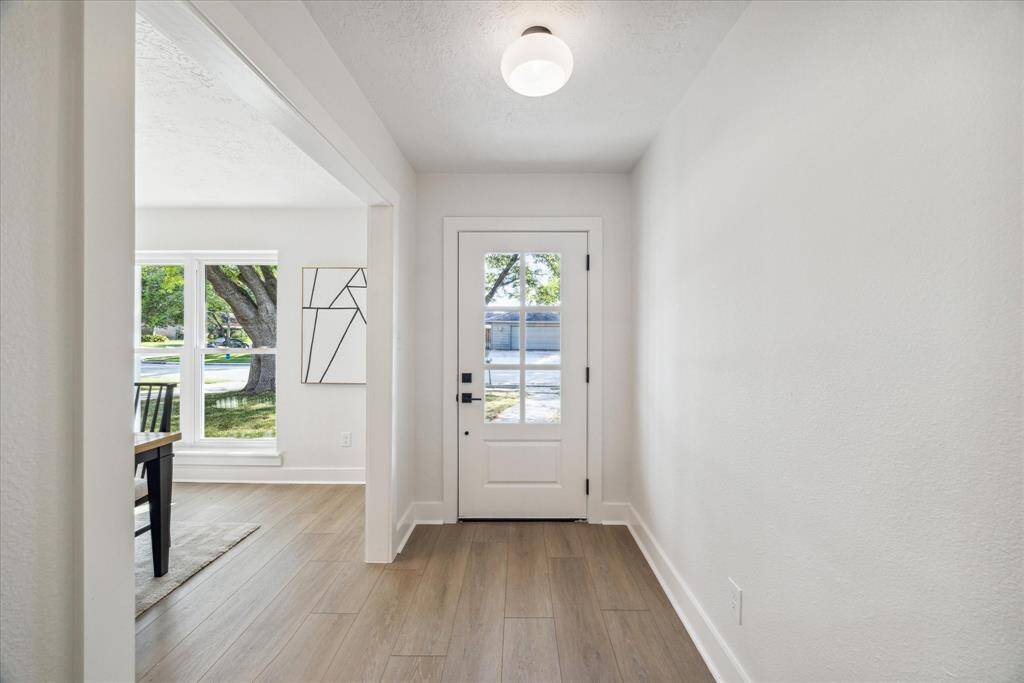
point(429, 512)
point(222, 457)
point(418, 512)
point(269, 475)
point(721, 660)
point(616, 513)
point(403, 530)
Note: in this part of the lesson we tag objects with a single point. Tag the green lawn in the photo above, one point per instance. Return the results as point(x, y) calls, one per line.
point(495, 402)
point(235, 414)
point(241, 358)
point(175, 412)
point(240, 415)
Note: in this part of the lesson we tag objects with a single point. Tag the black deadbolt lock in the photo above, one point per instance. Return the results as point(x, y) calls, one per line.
point(467, 377)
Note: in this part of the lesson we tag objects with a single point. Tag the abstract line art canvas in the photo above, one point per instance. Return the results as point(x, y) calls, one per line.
point(333, 326)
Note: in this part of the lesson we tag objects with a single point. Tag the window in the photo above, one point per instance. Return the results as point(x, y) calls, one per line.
point(522, 338)
point(208, 322)
point(159, 338)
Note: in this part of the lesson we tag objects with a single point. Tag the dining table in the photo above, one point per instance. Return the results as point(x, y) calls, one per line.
point(156, 451)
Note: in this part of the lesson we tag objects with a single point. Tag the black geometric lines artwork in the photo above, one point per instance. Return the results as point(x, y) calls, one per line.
point(333, 326)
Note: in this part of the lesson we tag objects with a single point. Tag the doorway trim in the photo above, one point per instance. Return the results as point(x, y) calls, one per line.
point(105, 548)
point(453, 225)
point(222, 40)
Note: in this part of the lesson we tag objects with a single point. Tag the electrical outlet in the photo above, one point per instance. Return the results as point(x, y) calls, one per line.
point(736, 601)
point(346, 439)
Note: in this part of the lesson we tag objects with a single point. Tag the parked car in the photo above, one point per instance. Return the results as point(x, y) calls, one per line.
point(221, 342)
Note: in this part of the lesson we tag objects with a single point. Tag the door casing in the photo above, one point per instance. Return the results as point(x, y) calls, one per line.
point(448, 509)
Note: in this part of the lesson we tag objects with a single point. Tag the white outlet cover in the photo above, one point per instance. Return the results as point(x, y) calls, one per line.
point(736, 601)
point(346, 439)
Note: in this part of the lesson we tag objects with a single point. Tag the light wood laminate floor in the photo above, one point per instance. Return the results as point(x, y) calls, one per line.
point(463, 602)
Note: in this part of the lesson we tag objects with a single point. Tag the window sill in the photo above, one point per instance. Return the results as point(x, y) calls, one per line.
point(232, 456)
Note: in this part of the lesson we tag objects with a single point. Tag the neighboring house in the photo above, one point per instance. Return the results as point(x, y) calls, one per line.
point(170, 331)
point(542, 334)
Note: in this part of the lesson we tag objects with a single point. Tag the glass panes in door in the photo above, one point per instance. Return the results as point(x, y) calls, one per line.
point(501, 337)
point(543, 396)
point(522, 337)
point(501, 396)
point(501, 280)
point(543, 338)
point(543, 279)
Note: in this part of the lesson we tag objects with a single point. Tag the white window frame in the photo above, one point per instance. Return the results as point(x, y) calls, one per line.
point(194, 350)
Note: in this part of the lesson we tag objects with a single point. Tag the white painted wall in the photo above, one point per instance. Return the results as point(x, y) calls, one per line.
point(41, 275)
point(828, 309)
point(310, 418)
point(603, 195)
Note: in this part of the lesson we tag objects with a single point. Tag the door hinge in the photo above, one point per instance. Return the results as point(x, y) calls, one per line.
point(587, 487)
point(588, 374)
point(588, 261)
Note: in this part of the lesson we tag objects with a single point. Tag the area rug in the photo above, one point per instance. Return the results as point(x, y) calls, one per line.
point(193, 546)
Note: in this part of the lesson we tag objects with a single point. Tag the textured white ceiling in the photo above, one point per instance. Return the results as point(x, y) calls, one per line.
point(199, 144)
point(431, 70)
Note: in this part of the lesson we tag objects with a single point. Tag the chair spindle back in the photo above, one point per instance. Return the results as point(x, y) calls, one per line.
point(154, 406)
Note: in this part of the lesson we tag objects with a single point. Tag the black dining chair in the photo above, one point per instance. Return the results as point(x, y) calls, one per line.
point(154, 407)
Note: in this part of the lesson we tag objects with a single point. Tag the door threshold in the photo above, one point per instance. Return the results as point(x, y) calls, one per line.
point(521, 519)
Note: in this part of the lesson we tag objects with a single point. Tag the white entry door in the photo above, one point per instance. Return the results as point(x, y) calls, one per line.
point(523, 375)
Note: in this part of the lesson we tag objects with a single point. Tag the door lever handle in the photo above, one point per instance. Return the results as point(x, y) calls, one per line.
point(468, 397)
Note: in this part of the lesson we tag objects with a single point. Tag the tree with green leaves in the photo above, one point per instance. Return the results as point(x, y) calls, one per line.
point(542, 274)
point(218, 314)
point(162, 297)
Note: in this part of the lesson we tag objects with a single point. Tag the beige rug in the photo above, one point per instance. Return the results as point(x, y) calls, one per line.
point(193, 546)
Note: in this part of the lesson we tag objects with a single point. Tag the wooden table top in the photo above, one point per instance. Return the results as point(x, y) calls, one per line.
point(145, 441)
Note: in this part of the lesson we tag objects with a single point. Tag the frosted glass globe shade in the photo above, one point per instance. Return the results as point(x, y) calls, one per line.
point(536, 64)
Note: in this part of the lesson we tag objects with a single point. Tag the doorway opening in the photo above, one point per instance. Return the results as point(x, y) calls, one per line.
point(248, 252)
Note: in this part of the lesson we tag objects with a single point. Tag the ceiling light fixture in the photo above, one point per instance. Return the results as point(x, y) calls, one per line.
point(537, 63)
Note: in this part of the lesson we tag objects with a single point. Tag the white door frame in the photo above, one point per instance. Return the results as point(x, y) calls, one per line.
point(595, 343)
